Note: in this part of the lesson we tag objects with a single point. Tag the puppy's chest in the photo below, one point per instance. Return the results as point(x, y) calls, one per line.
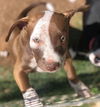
point(32, 63)
point(34, 66)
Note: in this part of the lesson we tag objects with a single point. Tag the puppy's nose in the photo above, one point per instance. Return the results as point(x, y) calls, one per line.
point(52, 65)
point(50, 61)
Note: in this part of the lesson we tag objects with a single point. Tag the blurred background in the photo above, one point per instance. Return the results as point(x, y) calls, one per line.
point(51, 87)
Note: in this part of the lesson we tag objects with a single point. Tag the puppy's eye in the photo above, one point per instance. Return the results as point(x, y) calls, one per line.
point(62, 38)
point(36, 40)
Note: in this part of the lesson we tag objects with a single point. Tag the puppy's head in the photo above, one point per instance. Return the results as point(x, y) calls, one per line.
point(47, 37)
point(94, 55)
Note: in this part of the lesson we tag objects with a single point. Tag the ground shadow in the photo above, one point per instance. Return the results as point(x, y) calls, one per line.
point(9, 91)
point(53, 87)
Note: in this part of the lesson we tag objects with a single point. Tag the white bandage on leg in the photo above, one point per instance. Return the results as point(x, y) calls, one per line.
point(31, 98)
point(81, 89)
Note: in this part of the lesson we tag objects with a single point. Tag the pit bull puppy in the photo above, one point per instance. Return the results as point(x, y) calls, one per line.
point(40, 43)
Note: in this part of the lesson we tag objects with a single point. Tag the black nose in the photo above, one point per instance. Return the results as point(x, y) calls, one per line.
point(53, 66)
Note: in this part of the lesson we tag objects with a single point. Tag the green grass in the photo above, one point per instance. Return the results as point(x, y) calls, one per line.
point(48, 85)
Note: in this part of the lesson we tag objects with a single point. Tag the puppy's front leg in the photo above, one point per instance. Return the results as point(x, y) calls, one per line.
point(30, 96)
point(74, 81)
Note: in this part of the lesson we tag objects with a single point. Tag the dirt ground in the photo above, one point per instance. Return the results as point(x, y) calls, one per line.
point(9, 10)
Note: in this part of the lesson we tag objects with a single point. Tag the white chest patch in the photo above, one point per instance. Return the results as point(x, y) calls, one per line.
point(41, 32)
point(33, 63)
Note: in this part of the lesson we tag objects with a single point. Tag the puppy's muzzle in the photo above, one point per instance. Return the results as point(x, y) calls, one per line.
point(49, 65)
point(52, 66)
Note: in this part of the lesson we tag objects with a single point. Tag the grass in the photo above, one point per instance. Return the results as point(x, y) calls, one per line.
point(47, 85)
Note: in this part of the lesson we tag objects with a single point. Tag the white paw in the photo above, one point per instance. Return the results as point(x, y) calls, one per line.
point(81, 89)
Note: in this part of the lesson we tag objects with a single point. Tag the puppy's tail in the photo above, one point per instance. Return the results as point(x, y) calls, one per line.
point(24, 13)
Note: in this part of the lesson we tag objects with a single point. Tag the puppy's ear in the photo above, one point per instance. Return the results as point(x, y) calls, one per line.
point(70, 13)
point(19, 24)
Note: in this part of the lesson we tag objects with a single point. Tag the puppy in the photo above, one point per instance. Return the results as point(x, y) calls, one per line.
point(40, 43)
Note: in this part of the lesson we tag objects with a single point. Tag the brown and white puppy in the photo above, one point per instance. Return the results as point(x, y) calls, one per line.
point(40, 43)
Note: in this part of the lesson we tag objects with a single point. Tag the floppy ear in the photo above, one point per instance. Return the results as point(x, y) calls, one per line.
point(70, 13)
point(19, 24)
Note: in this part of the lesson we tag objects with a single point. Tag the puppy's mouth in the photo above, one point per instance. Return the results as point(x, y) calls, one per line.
point(48, 67)
point(52, 67)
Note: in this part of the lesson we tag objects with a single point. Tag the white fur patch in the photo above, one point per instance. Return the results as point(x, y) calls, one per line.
point(3, 53)
point(72, 1)
point(39, 69)
point(41, 31)
point(33, 63)
point(50, 7)
point(93, 55)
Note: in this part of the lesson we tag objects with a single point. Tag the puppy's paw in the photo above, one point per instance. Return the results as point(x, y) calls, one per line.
point(81, 89)
point(31, 98)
